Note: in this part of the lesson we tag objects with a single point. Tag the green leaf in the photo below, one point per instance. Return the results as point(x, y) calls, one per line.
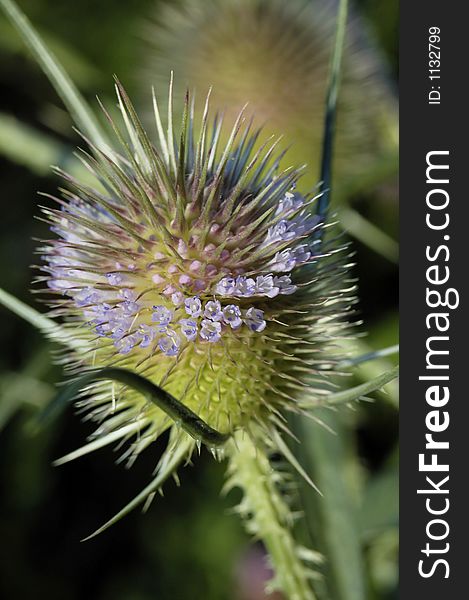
point(332, 519)
point(64, 86)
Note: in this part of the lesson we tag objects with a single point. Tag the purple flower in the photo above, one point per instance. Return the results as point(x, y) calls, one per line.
point(213, 310)
point(177, 298)
point(162, 315)
point(291, 202)
point(128, 294)
point(265, 286)
point(210, 330)
point(86, 296)
point(225, 287)
point(232, 316)
point(288, 259)
point(129, 308)
point(119, 331)
point(146, 334)
point(283, 261)
point(245, 286)
point(286, 230)
point(285, 285)
point(102, 311)
point(124, 345)
point(188, 329)
point(283, 231)
point(254, 319)
point(114, 278)
point(103, 329)
point(169, 343)
point(301, 254)
point(193, 306)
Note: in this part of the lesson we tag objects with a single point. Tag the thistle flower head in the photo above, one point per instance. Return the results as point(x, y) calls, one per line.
point(276, 56)
point(198, 267)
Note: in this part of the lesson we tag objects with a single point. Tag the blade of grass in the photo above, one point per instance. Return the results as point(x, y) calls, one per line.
point(26, 146)
point(331, 111)
point(64, 86)
point(369, 234)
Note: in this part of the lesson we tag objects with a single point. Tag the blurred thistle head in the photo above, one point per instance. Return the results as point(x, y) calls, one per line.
point(199, 266)
point(276, 56)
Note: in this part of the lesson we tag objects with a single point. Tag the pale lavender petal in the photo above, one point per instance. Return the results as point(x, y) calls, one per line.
point(213, 310)
point(193, 306)
point(188, 329)
point(254, 319)
point(232, 316)
point(161, 315)
point(210, 330)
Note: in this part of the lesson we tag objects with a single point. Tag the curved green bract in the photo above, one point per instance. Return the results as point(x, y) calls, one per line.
point(181, 414)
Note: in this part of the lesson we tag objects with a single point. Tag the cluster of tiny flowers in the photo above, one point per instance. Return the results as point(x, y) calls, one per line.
point(114, 319)
point(290, 228)
point(263, 285)
point(284, 230)
point(122, 321)
point(129, 321)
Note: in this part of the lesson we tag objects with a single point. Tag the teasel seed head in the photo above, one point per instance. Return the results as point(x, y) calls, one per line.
point(275, 55)
point(200, 267)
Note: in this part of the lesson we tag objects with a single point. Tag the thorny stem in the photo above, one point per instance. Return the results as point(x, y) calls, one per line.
point(268, 515)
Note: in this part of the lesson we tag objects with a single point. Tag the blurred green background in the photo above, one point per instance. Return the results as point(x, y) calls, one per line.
point(188, 545)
